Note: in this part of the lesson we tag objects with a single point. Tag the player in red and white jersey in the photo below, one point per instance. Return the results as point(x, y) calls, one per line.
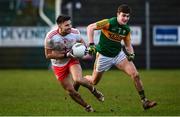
point(58, 44)
point(62, 43)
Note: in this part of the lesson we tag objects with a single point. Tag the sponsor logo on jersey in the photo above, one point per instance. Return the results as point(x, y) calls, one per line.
point(113, 36)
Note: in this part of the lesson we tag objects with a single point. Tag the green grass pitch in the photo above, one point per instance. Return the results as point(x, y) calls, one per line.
point(37, 93)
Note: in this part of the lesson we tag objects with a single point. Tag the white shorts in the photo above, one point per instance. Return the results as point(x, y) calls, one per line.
point(104, 63)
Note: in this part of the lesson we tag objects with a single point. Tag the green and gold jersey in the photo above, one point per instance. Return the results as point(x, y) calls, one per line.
point(112, 33)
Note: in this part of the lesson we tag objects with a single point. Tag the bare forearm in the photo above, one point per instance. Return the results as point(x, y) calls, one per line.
point(90, 33)
point(51, 54)
point(129, 49)
point(130, 53)
point(55, 56)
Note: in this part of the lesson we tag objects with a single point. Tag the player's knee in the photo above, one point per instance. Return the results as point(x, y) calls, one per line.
point(94, 82)
point(77, 80)
point(135, 75)
point(71, 92)
point(69, 89)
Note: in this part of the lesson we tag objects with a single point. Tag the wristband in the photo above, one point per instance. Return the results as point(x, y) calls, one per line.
point(91, 43)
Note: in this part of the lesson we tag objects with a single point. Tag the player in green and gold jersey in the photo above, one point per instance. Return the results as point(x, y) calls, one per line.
point(109, 50)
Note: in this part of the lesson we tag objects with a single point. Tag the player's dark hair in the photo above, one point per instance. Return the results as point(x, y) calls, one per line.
point(124, 8)
point(62, 18)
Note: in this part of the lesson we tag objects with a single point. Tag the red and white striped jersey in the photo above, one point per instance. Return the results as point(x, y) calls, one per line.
point(55, 41)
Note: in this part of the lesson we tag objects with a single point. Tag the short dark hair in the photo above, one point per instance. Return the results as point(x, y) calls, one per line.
point(62, 18)
point(124, 8)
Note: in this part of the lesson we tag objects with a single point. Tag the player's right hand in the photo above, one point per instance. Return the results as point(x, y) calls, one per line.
point(131, 57)
point(92, 49)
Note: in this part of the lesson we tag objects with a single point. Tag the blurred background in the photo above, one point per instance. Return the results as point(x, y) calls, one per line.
point(155, 26)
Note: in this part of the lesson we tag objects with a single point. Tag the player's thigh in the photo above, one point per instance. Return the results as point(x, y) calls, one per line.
point(127, 67)
point(76, 71)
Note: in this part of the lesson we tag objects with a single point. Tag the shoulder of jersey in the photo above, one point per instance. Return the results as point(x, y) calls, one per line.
point(52, 32)
point(75, 31)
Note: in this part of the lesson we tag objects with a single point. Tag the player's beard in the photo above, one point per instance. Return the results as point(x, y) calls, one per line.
point(66, 31)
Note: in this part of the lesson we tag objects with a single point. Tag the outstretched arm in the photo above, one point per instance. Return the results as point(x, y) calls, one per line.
point(102, 24)
point(90, 32)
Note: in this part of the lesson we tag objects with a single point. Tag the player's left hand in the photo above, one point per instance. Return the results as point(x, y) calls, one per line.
point(131, 57)
point(70, 54)
point(91, 49)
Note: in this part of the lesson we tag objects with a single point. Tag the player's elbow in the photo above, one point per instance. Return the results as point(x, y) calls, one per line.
point(48, 53)
point(47, 56)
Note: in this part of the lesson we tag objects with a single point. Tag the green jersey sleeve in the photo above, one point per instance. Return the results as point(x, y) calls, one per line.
point(103, 24)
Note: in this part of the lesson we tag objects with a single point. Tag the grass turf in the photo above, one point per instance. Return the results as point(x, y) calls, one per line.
point(37, 92)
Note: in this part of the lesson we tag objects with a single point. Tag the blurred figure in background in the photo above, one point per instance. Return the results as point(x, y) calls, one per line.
point(109, 50)
point(58, 44)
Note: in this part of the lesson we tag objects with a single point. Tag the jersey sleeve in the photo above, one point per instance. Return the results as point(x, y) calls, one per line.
point(103, 24)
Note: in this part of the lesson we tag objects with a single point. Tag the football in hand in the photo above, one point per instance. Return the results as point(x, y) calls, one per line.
point(78, 50)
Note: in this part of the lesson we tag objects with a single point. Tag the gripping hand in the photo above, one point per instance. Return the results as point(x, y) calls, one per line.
point(131, 57)
point(69, 54)
point(92, 49)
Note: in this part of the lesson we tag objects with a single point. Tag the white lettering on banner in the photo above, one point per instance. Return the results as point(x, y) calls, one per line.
point(166, 35)
point(136, 35)
point(22, 36)
point(34, 36)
